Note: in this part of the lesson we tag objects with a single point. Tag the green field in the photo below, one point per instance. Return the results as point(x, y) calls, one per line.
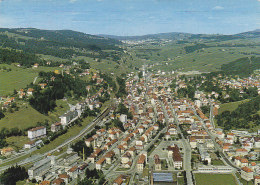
point(24, 118)
point(217, 162)
point(18, 77)
point(174, 57)
point(214, 179)
point(17, 142)
point(230, 106)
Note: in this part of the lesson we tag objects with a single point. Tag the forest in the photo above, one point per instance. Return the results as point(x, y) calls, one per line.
point(59, 86)
point(245, 116)
point(63, 43)
point(9, 56)
point(242, 67)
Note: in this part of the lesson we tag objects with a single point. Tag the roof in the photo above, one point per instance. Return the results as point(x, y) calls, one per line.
point(64, 176)
point(45, 183)
point(141, 159)
point(36, 128)
point(246, 169)
point(73, 169)
point(100, 161)
point(119, 180)
point(162, 177)
point(58, 181)
point(244, 160)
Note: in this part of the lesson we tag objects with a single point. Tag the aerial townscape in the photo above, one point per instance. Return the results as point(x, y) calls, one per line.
point(175, 108)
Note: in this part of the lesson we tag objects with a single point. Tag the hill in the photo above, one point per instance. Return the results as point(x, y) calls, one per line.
point(187, 36)
point(62, 44)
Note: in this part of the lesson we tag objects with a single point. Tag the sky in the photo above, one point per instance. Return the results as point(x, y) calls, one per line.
point(133, 17)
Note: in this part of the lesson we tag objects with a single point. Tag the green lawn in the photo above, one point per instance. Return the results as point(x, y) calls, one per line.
point(25, 117)
point(214, 179)
point(18, 77)
point(217, 162)
point(230, 106)
point(17, 142)
point(24, 183)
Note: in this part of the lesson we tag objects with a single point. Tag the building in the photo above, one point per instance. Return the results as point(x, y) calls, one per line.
point(215, 169)
point(36, 132)
point(247, 173)
point(157, 163)
point(174, 152)
point(39, 169)
point(7, 151)
point(55, 127)
point(162, 178)
point(123, 118)
point(141, 163)
point(68, 117)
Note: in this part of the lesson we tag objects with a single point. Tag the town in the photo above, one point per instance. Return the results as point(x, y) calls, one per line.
point(153, 136)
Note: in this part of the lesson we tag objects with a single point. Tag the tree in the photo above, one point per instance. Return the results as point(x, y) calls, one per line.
point(78, 147)
point(1, 114)
point(13, 174)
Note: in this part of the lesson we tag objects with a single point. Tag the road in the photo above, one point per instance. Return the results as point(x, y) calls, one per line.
point(217, 147)
point(187, 152)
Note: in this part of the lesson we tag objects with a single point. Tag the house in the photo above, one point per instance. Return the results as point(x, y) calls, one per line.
point(58, 181)
point(36, 132)
point(109, 157)
point(89, 141)
point(45, 183)
point(36, 65)
point(247, 173)
point(30, 92)
point(174, 152)
point(123, 118)
point(241, 152)
point(100, 163)
point(244, 162)
point(172, 129)
point(7, 151)
point(73, 172)
point(157, 163)
point(257, 142)
point(257, 180)
point(32, 144)
point(119, 180)
point(65, 177)
point(141, 163)
point(237, 161)
point(56, 127)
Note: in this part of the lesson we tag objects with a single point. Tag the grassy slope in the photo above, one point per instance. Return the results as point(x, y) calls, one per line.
point(210, 59)
point(17, 142)
point(24, 118)
point(230, 106)
point(18, 78)
point(214, 179)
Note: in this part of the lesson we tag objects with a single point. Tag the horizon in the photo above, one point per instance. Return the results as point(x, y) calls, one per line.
point(128, 35)
point(133, 17)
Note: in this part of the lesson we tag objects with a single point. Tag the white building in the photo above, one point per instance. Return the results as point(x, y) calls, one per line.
point(36, 132)
point(123, 118)
point(215, 169)
point(40, 168)
point(68, 117)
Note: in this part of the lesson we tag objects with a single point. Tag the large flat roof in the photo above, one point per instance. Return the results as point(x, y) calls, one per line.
point(162, 177)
